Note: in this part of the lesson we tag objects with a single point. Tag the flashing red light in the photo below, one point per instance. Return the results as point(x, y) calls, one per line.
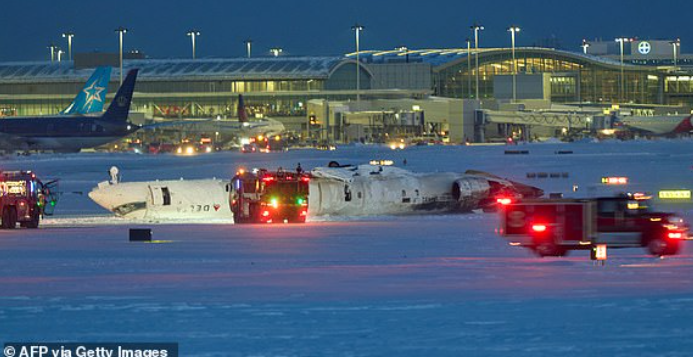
point(268, 179)
point(265, 213)
point(676, 235)
point(304, 213)
point(539, 228)
point(305, 179)
point(504, 201)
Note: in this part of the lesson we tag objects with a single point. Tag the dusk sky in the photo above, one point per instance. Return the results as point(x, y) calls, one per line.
point(310, 27)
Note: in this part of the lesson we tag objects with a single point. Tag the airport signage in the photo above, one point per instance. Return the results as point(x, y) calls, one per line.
point(615, 180)
point(675, 194)
point(644, 48)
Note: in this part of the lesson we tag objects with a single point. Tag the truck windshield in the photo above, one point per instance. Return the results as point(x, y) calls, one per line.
point(287, 189)
point(13, 188)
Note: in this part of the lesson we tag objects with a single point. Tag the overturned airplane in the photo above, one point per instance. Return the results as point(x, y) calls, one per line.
point(385, 190)
point(333, 191)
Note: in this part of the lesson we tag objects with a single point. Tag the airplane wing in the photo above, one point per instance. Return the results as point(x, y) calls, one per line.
point(175, 123)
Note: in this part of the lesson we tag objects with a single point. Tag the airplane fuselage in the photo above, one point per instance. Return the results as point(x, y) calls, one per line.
point(166, 200)
point(60, 133)
point(354, 191)
point(660, 125)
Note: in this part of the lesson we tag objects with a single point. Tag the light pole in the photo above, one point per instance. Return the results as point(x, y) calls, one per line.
point(276, 51)
point(193, 36)
point(60, 55)
point(476, 28)
point(513, 31)
point(585, 45)
point(676, 44)
point(69, 36)
point(469, 67)
point(622, 41)
point(357, 29)
point(121, 31)
point(248, 46)
point(52, 47)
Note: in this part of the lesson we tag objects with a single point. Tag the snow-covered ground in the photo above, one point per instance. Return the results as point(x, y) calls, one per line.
point(377, 286)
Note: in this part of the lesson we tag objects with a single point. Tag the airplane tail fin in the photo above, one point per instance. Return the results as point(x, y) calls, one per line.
point(92, 96)
point(242, 115)
point(120, 106)
point(685, 126)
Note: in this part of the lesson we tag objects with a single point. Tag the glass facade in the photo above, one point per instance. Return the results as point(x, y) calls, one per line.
point(573, 79)
point(679, 89)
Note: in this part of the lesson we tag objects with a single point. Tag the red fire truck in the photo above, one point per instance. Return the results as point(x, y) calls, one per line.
point(552, 227)
point(23, 199)
point(263, 196)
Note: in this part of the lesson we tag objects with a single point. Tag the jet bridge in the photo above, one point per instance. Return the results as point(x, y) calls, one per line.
point(585, 121)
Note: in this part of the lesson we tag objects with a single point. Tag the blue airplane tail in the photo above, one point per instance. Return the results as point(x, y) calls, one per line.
point(120, 106)
point(92, 96)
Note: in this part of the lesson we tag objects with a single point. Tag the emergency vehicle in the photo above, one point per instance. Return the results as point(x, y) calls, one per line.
point(552, 227)
point(263, 196)
point(269, 143)
point(23, 199)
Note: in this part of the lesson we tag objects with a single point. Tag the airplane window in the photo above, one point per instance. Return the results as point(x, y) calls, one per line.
point(347, 193)
point(166, 195)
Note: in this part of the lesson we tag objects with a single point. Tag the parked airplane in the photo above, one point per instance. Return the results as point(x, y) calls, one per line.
point(66, 133)
point(661, 125)
point(91, 98)
point(247, 128)
point(333, 191)
point(241, 128)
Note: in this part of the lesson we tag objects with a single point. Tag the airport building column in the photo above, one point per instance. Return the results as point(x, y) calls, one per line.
point(479, 126)
point(327, 121)
point(578, 87)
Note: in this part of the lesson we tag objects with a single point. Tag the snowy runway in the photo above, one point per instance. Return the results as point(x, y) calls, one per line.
point(412, 286)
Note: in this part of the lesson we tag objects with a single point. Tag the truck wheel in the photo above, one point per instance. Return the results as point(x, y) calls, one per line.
point(5, 218)
point(659, 247)
point(549, 249)
point(35, 218)
point(11, 218)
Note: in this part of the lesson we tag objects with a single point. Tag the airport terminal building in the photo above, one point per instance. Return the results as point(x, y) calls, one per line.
point(400, 82)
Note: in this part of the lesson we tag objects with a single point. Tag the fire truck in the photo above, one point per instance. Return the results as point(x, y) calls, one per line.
point(552, 227)
point(263, 196)
point(24, 199)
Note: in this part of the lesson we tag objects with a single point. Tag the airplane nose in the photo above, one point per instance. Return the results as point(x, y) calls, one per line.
point(99, 198)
